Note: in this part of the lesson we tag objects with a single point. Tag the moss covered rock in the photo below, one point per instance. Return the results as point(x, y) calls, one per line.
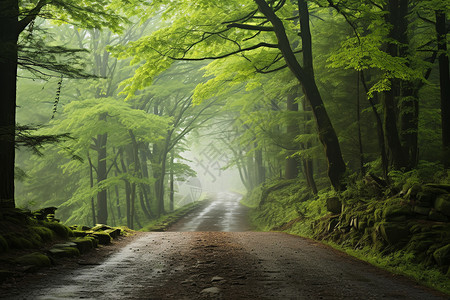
point(442, 204)
point(34, 259)
point(396, 212)
point(45, 233)
point(60, 229)
point(84, 244)
point(102, 237)
point(442, 255)
point(394, 232)
point(64, 252)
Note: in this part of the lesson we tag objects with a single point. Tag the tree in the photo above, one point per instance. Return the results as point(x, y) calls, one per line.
point(244, 32)
point(15, 16)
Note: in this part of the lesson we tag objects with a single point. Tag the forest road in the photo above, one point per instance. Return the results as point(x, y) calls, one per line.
point(223, 265)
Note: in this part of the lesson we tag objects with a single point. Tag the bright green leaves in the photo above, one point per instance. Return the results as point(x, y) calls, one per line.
point(85, 122)
point(206, 30)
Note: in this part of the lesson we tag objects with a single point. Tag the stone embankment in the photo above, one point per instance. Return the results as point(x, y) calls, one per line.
point(416, 221)
point(31, 241)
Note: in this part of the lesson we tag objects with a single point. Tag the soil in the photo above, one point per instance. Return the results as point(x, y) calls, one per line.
point(217, 265)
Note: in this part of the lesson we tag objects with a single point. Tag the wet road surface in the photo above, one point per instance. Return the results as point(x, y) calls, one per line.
point(225, 213)
point(223, 265)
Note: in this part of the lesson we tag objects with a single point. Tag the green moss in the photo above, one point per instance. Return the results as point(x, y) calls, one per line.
point(19, 242)
point(34, 259)
point(102, 237)
point(60, 229)
point(71, 251)
point(45, 233)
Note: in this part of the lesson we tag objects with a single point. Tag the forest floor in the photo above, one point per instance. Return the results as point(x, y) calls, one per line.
point(214, 264)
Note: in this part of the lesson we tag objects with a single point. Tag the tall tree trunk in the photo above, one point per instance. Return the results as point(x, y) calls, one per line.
point(327, 135)
point(260, 170)
point(102, 204)
point(9, 12)
point(132, 205)
point(358, 123)
point(127, 192)
point(409, 122)
point(292, 130)
point(308, 165)
point(171, 182)
point(380, 130)
point(397, 18)
point(91, 180)
point(145, 174)
point(444, 81)
point(138, 171)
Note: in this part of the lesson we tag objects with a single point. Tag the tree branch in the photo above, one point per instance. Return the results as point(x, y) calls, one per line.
point(260, 45)
point(22, 24)
point(250, 27)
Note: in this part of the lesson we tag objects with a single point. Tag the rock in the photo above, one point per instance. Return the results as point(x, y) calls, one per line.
point(36, 259)
point(211, 291)
point(102, 237)
point(442, 204)
point(114, 232)
point(68, 244)
point(217, 278)
point(422, 210)
point(396, 212)
point(101, 227)
point(424, 199)
point(394, 233)
point(442, 255)
point(64, 252)
point(83, 244)
point(334, 205)
point(437, 216)
point(79, 233)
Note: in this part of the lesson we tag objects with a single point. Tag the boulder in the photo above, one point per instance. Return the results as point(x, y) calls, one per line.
point(68, 244)
point(396, 212)
point(442, 204)
point(424, 199)
point(64, 252)
point(422, 210)
point(334, 205)
point(442, 255)
point(102, 237)
point(394, 233)
point(114, 232)
point(100, 227)
point(36, 259)
point(79, 233)
point(83, 244)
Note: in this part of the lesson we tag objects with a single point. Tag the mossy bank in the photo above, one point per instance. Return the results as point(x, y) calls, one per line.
point(30, 241)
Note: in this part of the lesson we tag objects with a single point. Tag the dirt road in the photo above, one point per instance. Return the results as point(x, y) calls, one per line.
point(223, 265)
